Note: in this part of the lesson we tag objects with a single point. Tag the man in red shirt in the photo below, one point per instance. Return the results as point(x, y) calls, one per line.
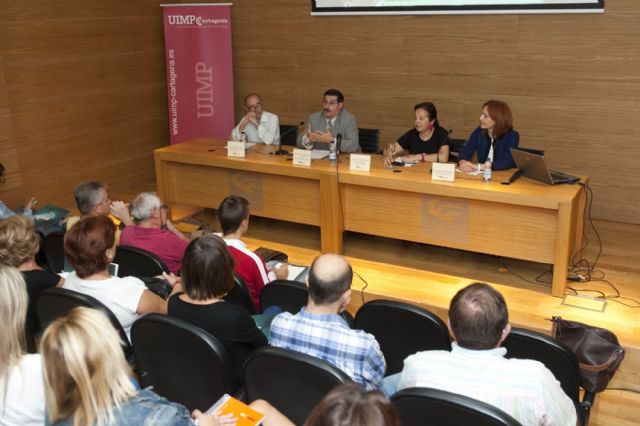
point(233, 214)
point(154, 232)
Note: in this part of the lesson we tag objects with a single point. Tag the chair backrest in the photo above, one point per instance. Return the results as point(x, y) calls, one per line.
point(369, 140)
point(425, 406)
point(182, 362)
point(291, 296)
point(455, 145)
point(136, 262)
point(402, 329)
point(292, 382)
point(555, 355)
point(54, 303)
point(289, 138)
point(54, 251)
point(239, 295)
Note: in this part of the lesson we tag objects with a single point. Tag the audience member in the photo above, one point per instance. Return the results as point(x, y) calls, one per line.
point(89, 382)
point(92, 199)
point(477, 367)
point(207, 275)
point(21, 388)
point(6, 212)
point(90, 248)
point(324, 126)
point(19, 244)
point(427, 141)
point(233, 215)
point(154, 232)
point(320, 331)
point(258, 125)
point(492, 140)
point(347, 404)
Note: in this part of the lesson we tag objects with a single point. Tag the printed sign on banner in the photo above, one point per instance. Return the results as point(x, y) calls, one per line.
point(197, 42)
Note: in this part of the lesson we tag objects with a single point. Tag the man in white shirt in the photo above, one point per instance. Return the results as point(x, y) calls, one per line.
point(258, 125)
point(477, 367)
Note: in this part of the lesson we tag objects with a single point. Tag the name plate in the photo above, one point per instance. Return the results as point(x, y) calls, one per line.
point(443, 171)
point(361, 162)
point(301, 157)
point(235, 149)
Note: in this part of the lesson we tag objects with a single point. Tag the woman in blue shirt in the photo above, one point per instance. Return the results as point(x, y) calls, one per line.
point(492, 140)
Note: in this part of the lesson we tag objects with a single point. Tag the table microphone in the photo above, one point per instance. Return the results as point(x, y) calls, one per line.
point(513, 177)
point(281, 151)
point(338, 143)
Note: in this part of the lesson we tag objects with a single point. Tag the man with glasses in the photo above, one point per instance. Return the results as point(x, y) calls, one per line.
point(258, 125)
point(324, 126)
point(154, 232)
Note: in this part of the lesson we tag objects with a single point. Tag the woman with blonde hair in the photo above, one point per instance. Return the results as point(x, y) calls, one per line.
point(88, 381)
point(19, 244)
point(21, 386)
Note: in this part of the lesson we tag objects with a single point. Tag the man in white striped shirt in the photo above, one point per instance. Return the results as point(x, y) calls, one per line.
point(477, 367)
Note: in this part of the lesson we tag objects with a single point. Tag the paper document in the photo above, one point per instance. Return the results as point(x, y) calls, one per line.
point(319, 154)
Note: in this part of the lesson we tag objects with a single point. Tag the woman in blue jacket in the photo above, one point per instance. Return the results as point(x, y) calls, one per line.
point(492, 140)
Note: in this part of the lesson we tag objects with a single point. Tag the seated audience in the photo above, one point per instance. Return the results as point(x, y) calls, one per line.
point(492, 140)
point(21, 387)
point(154, 232)
point(233, 214)
point(477, 367)
point(6, 212)
point(90, 248)
point(324, 126)
point(427, 141)
point(347, 404)
point(207, 275)
point(92, 199)
point(89, 382)
point(258, 125)
point(19, 244)
point(319, 330)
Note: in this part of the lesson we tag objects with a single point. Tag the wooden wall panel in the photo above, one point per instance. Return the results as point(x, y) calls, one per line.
point(82, 84)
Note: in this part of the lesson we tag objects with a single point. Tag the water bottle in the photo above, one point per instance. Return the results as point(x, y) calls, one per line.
point(486, 173)
point(332, 151)
point(243, 137)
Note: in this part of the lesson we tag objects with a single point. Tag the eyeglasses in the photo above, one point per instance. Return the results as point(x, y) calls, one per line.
point(163, 207)
point(332, 102)
point(254, 107)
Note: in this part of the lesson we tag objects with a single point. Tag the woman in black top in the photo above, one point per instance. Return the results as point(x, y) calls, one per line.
point(207, 276)
point(427, 141)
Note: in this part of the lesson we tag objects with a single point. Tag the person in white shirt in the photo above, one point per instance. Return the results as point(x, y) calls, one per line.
point(476, 366)
point(22, 400)
point(258, 125)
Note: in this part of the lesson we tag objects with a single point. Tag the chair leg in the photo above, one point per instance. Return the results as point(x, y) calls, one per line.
point(587, 404)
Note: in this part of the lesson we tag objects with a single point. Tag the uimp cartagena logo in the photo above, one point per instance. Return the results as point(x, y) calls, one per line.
point(193, 20)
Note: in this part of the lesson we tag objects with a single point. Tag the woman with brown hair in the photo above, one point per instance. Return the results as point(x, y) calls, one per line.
point(491, 141)
point(90, 248)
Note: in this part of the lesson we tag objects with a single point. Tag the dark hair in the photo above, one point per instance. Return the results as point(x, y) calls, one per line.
point(327, 283)
point(500, 113)
point(86, 243)
point(87, 196)
point(478, 316)
point(352, 405)
point(231, 212)
point(334, 92)
point(431, 110)
point(207, 268)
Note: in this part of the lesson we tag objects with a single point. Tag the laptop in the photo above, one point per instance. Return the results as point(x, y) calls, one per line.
point(534, 166)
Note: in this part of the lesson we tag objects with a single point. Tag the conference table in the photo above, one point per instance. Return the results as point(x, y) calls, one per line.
point(525, 220)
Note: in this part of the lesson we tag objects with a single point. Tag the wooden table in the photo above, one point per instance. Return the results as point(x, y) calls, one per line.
point(526, 220)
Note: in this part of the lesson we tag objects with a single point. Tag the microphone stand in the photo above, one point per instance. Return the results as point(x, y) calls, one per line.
point(281, 151)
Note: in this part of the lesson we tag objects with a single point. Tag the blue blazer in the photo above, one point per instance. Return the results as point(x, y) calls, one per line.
point(479, 142)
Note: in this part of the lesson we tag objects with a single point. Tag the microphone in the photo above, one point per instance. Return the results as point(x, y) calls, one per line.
point(338, 143)
point(281, 151)
point(514, 177)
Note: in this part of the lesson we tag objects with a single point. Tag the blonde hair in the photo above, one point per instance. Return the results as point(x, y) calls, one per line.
point(13, 312)
point(85, 372)
point(19, 242)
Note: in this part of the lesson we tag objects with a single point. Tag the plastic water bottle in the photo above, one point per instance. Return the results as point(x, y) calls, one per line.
point(243, 137)
point(486, 173)
point(332, 151)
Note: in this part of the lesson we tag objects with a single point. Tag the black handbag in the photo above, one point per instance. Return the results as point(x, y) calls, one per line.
point(597, 349)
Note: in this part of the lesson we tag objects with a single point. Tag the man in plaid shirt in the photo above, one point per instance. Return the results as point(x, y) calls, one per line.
point(320, 331)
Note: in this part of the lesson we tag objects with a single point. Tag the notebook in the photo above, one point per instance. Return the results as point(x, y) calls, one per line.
point(245, 415)
point(534, 166)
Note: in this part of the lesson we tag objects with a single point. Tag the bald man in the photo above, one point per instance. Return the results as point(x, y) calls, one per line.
point(258, 125)
point(320, 331)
